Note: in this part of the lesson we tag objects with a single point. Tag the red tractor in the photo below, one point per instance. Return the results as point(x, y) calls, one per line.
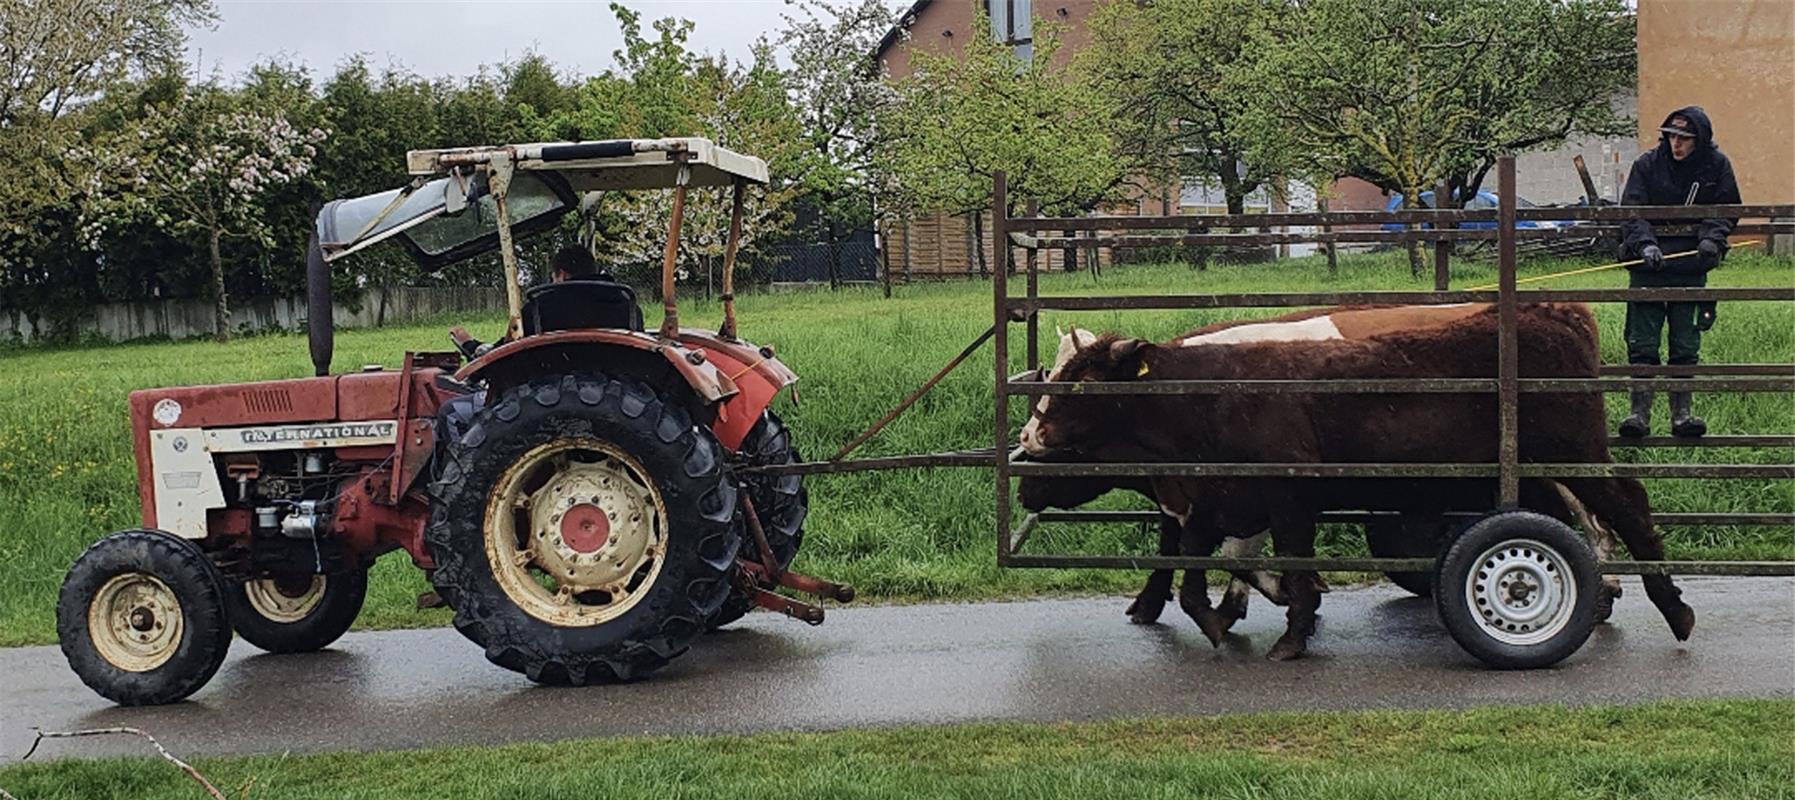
point(580, 493)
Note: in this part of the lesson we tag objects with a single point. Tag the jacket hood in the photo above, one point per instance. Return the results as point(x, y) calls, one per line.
point(1698, 124)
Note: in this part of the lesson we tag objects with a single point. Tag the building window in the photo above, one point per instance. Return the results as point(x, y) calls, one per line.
point(1012, 22)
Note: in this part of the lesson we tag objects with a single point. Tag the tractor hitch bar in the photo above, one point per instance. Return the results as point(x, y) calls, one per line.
point(755, 579)
point(758, 578)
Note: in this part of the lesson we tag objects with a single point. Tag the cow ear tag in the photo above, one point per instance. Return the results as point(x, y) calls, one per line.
point(1143, 371)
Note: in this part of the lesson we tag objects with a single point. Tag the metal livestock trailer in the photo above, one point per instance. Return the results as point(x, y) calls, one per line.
point(1477, 631)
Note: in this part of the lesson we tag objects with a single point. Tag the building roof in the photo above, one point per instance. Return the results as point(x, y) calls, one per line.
point(897, 31)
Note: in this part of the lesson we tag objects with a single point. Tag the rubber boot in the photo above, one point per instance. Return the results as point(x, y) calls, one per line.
point(1638, 423)
point(1682, 422)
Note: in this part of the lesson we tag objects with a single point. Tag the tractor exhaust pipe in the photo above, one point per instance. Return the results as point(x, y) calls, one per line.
point(320, 328)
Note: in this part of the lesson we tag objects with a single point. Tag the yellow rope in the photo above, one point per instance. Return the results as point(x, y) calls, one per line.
point(1615, 265)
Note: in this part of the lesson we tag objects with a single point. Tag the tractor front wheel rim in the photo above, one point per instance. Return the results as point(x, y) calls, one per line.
point(285, 600)
point(576, 532)
point(135, 622)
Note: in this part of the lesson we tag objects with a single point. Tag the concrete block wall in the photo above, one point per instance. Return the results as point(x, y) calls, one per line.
point(192, 317)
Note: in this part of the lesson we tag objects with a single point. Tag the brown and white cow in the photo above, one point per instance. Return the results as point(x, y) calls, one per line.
point(1554, 341)
point(1182, 517)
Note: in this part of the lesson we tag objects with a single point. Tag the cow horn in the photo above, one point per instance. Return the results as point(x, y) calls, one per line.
point(1075, 343)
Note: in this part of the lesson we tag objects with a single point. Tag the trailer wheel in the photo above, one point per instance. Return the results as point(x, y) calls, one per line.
point(297, 613)
point(584, 529)
point(780, 500)
point(1398, 538)
point(1517, 590)
point(141, 618)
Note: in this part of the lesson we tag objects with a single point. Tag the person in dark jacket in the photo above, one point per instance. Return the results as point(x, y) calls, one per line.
point(1686, 168)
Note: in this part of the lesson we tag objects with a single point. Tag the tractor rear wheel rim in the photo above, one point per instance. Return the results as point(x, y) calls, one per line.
point(576, 532)
point(135, 622)
point(1522, 591)
point(277, 601)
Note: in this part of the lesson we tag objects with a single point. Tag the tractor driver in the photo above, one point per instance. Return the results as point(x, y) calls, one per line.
point(570, 263)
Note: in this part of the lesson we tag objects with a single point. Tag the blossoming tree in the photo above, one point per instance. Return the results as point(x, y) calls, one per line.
point(197, 166)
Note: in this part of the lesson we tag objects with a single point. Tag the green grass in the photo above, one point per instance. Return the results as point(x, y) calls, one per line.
point(65, 455)
point(1715, 749)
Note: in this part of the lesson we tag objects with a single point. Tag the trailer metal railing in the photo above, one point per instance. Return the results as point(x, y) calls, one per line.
point(1025, 233)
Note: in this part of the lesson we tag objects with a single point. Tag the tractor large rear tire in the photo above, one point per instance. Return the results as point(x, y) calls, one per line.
point(780, 500)
point(141, 618)
point(584, 529)
point(297, 613)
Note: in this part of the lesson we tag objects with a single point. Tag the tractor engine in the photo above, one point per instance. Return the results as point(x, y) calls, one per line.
point(290, 494)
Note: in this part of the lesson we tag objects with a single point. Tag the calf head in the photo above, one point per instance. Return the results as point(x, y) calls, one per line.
point(1070, 423)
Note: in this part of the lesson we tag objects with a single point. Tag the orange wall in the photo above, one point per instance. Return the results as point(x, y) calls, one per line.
point(1735, 59)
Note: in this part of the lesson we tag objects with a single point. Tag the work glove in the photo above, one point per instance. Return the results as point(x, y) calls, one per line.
point(1652, 258)
point(1707, 254)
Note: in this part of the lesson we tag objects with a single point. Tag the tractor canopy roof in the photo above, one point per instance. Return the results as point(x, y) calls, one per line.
point(448, 212)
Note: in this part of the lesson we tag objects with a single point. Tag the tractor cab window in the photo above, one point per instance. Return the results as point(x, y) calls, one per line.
point(530, 198)
point(444, 220)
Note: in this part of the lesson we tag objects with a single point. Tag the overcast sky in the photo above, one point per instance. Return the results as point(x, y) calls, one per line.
point(455, 38)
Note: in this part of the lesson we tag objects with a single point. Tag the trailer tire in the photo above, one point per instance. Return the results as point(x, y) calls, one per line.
point(1386, 538)
point(279, 616)
point(1517, 590)
point(640, 545)
point(141, 618)
point(780, 500)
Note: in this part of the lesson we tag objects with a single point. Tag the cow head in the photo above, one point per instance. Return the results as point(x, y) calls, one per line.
point(1041, 492)
point(1077, 423)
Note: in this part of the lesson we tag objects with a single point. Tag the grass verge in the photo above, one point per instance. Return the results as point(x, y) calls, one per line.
point(66, 474)
point(1710, 749)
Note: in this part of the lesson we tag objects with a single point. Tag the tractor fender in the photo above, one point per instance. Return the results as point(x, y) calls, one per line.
point(757, 375)
point(532, 355)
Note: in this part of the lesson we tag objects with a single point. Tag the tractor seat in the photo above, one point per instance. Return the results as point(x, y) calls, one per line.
point(586, 302)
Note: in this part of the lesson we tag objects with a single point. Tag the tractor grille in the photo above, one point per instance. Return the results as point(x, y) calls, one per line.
point(267, 401)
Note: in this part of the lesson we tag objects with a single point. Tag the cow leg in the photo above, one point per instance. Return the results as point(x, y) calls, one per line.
point(1622, 503)
point(1240, 588)
point(1193, 594)
point(1558, 501)
point(1147, 605)
point(1293, 534)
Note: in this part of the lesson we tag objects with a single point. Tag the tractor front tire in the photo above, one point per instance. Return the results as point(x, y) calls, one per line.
point(584, 529)
point(141, 618)
point(780, 501)
point(297, 613)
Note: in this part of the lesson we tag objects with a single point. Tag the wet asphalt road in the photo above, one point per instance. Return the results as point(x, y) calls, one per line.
point(1038, 660)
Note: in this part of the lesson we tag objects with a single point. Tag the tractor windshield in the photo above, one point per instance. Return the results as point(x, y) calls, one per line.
point(434, 234)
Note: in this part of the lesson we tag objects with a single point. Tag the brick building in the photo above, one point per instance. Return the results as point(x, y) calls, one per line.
point(939, 243)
